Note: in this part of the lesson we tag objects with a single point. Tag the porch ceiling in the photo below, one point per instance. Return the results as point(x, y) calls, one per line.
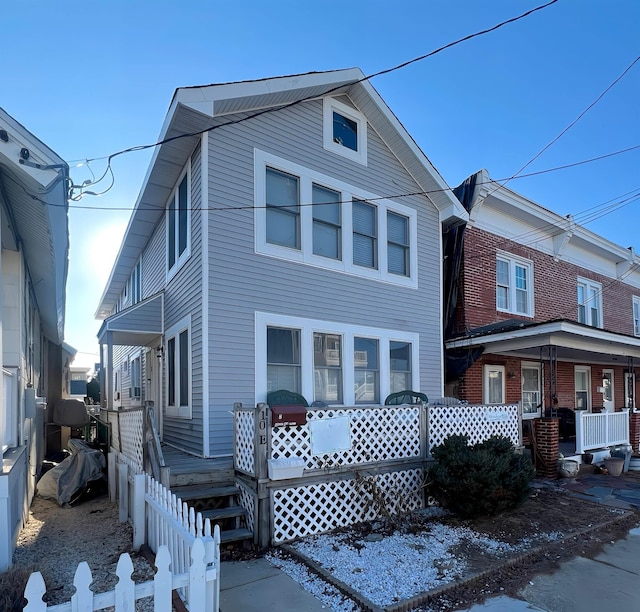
point(573, 342)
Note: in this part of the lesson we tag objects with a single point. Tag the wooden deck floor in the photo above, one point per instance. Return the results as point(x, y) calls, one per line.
point(184, 467)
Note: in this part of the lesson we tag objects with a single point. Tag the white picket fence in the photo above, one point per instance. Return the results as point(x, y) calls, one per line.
point(199, 579)
point(160, 518)
point(600, 430)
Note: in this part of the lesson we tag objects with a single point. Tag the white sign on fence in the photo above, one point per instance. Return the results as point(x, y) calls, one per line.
point(330, 435)
point(497, 417)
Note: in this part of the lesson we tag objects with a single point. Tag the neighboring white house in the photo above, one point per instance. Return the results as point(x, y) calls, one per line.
point(287, 235)
point(34, 261)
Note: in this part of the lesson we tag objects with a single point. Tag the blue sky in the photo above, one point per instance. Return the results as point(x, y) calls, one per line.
point(90, 78)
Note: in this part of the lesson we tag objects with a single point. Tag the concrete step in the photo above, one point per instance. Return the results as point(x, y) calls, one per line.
point(235, 535)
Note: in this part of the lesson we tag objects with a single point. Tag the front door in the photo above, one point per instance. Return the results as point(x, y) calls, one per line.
point(607, 393)
point(153, 390)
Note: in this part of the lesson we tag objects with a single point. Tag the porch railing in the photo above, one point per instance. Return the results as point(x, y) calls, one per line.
point(601, 430)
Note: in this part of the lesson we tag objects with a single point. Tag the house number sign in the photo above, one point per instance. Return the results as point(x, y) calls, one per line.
point(262, 426)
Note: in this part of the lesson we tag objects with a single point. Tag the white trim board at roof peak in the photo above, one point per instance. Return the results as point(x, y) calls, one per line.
point(305, 255)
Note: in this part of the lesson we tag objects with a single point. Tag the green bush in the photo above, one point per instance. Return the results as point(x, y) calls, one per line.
point(479, 480)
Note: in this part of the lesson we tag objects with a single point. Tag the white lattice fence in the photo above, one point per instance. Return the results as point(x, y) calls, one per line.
point(244, 451)
point(131, 435)
point(477, 422)
point(320, 507)
point(248, 502)
point(378, 433)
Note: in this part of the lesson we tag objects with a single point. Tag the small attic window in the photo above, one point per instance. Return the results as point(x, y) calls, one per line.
point(345, 131)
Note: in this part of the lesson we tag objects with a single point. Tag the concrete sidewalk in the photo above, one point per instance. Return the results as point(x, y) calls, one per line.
point(256, 586)
point(610, 581)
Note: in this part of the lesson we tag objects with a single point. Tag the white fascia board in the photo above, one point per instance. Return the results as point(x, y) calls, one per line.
point(203, 98)
point(548, 333)
point(39, 153)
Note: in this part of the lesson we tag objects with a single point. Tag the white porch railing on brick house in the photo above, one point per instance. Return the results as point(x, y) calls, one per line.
point(389, 449)
point(600, 430)
point(199, 579)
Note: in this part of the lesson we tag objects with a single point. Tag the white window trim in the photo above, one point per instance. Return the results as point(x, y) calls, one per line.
point(181, 412)
point(591, 284)
point(533, 366)
point(305, 254)
point(586, 369)
point(485, 383)
point(132, 282)
point(330, 105)
point(630, 376)
point(636, 306)
point(182, 258)
point(307, 328)
point(514, 260)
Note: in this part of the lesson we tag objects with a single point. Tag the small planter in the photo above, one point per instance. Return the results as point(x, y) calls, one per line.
point(568, 468)
point(614, 465)
point(634, 463)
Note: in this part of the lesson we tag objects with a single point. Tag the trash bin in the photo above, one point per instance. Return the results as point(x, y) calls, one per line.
point(623, 451)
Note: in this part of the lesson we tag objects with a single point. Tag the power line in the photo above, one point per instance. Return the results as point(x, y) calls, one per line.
point(307, 98)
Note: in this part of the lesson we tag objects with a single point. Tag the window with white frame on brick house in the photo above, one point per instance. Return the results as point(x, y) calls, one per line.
point(514, 285)
point(589, 302)
point(493, 384)
point(636, 315)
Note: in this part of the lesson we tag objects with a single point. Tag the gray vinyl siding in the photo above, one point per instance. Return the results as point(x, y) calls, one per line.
point(154, 260)
point(183, 296)
point(242, 282)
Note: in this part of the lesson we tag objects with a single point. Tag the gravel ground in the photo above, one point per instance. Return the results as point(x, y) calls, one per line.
point(56, 539)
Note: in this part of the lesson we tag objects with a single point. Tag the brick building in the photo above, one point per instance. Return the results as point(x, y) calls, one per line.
point(540, 309)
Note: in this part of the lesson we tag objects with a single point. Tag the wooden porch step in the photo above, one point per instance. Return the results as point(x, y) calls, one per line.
point(223, 513)
point(235, 535)
point(204, 491)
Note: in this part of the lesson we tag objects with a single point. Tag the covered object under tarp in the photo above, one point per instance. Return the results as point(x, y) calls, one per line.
point(67, 480)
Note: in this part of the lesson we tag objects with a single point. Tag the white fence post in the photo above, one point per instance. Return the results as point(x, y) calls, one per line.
point(162, 583)
point(82, 599)
point(125, 588)
point(34, 592)
point(111, 475)
point(138, 512)
point(579, 432)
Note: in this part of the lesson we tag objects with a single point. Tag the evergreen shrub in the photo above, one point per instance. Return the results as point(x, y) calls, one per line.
point(482, 479)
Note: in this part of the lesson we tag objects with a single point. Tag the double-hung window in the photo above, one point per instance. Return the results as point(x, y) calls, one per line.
point(589, 302)
point(283, 209)
point(136, 283)
point(636, 315)
point(365, 234)
point(327, 368)
point(178, 230)
point(398, 244)
point(531, 390)
point(333, 362)
point(400, 355)
point(366, 365)
point(493, 384)
point(514, 285)
point(313, 219)
point(178, 363)
point(283, 359)
point(135, 378)
point(327, 224)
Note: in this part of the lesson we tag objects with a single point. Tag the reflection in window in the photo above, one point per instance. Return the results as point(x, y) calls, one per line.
point(327, 235)
point(283, 210)
point(345, 131)
point(400, 366)
point(366, 370)
point(327, 368)
point(283, 359)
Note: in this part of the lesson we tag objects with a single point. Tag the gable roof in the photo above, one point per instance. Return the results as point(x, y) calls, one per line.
point(196, 109)
point(33, 190)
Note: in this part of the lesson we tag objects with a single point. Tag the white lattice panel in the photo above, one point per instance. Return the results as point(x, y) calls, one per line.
point(130, 427)
point(244, 451)
point(477, 422)
point(379, 433)
point(320, 507)
point(248, 502)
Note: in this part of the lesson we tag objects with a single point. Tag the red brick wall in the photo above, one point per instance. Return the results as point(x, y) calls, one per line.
point(554, 285)
point(470, 384)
